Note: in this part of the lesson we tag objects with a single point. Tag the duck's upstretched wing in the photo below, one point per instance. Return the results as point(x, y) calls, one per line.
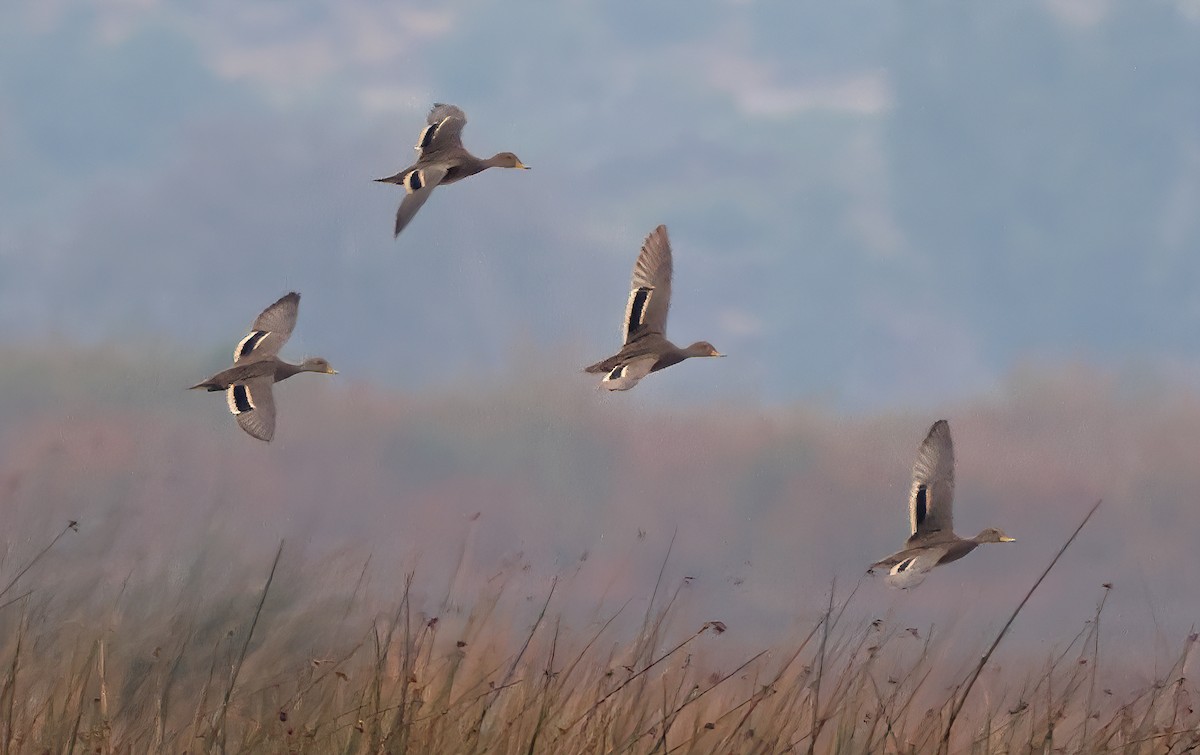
point(270, 330)
point(253, 404)
point(650, 289)
point(931, 500)
point(444, 130)
point(418, 184)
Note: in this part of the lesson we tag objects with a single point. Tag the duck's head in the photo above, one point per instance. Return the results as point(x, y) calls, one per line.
point(993, 535)
point(507, 160)
point(702, 349)
point(317, 364)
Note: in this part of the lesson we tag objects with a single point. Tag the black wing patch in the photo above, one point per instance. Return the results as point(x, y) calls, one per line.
point(414, 181)
point(900, 567)
point(637, 308)
point(427, 135)
point(922, 504)
point(250, 342)
point(430, 133)
point(240, 399)
point(617, 373)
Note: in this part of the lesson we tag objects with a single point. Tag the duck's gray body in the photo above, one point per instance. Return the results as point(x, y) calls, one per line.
point(274, 367)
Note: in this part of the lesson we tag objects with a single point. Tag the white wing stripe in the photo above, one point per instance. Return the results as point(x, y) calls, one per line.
point(426, 137)
point(247, 345)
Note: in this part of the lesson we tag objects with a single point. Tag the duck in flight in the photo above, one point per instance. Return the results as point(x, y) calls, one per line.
point(931, 516)
point(247, 384)
point(646, 346)
point(441, 159)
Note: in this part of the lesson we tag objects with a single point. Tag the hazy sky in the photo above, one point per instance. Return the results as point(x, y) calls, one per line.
point(871, 203)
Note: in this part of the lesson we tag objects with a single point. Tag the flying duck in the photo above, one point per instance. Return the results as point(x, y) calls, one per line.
point(931, 516)
point(247, 384)
point(646, 346)
point(441, 159)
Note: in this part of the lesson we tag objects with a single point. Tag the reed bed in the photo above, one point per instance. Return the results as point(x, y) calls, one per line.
point(283, 663)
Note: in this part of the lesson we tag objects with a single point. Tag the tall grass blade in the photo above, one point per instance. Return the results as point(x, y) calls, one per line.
point(956, 707)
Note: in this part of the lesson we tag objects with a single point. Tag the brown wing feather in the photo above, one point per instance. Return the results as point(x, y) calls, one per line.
point(429, 179)
point(443, 130)
point(650, 289)
point(253, 404)
point(931, 500)
point(270, 331)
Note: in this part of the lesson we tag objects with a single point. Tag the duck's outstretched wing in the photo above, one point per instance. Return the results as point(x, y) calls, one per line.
point(627, 373)
point(253, 404)
point(931, 500)
point(419, 183)
point(650, 289)
point(443, 132)
point(907, 568)
point(270, 330)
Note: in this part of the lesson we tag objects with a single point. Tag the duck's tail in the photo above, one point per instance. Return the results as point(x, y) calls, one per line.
point(606, 365)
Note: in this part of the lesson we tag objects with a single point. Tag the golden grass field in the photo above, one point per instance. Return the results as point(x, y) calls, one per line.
point(279, 667)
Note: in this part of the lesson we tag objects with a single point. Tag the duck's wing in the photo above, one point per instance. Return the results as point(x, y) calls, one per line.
point(270, 330)
point(253, 404)
point(443, 132)
point(908, 567)
point(627, 373)
point(931, 501)
point(650, 289)
point(911, 571)
point(418, 184)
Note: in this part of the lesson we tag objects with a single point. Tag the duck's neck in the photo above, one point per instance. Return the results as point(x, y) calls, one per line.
point(284, 370)
point(492, 162)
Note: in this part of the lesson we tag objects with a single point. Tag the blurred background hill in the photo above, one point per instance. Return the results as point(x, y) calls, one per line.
point(760, 510)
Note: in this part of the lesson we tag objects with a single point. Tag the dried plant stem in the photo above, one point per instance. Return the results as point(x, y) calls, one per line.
point(944, 747)
point(35, 559)
point(9, 693)
point(815, 728)
point(512, 669)
point(1094, 670)
point(638, 675)
point(220, 732)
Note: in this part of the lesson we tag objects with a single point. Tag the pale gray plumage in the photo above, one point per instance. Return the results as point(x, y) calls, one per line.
point(931, 499)
point(247, 384)
point(646, 348)
point(441, 159)
point(270, 330)
point(932, 541)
